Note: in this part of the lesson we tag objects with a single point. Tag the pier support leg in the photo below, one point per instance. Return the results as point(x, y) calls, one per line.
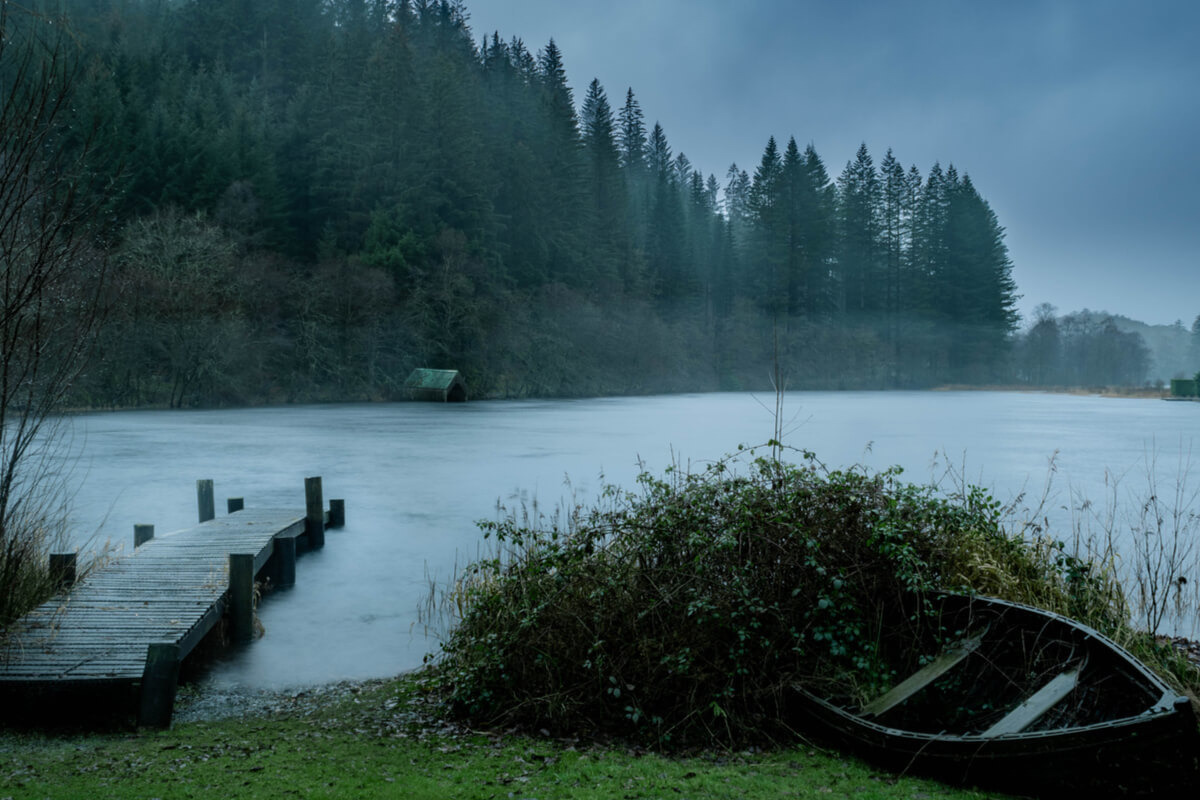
point(337, 513)
point(233, 504)
point(285, 561)
point(204, 500)
point(62, 568)
point(142, 534)
point(314, 513)
point(160, 677)
point(241, 597)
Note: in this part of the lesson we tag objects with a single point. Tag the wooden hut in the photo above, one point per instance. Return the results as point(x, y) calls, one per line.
point(439, 385)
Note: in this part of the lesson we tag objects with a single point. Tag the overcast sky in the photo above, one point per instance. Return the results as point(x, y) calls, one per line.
point(1078, 120)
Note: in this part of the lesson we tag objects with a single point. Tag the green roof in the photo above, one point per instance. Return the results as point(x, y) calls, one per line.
point(440, 379)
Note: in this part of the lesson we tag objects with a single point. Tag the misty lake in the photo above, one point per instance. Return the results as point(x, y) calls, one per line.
point(416, 477)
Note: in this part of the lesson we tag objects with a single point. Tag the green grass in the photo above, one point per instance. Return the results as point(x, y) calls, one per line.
point(381, 743)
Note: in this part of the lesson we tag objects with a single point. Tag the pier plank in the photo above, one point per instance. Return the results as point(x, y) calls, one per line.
point(129, 624)
point(170, 590)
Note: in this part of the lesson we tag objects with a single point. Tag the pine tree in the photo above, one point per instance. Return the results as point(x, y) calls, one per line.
point(632, 136)
point(658, 154)
point(516, 123)
point(859, 231)
point(610, 257)
point(819, 236)
point(768, 253)
point(796, 209)
point(1194, 350)
point(894, 197)
point(929, 246)
point(737, 195)
point(561, 149)
point(981, 289)
point(664, 237)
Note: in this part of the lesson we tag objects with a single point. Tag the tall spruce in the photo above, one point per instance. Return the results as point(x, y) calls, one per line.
point(859, 232)
point(611, 257)
point(561, 150)
point(769, 254)
point(664, 240)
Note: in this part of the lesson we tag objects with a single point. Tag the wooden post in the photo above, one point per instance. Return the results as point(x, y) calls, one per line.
point(62, 569)
point(204, 500)
point(285, 558)
point(337, 513)
point(241, 597)
point(142, 534)
point(160, 678)
point(233, 504)
point(314, 513)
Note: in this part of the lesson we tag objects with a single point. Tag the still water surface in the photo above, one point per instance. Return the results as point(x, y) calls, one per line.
point(416, 478)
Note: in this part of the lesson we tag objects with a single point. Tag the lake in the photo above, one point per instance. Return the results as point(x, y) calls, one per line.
point(416, 477)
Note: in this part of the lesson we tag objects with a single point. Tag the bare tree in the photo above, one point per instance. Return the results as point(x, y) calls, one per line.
point(51, 280)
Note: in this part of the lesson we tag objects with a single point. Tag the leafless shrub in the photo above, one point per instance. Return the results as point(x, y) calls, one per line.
point(51, 284)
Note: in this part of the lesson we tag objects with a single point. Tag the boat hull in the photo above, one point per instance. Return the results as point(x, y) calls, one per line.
point(1155, 751)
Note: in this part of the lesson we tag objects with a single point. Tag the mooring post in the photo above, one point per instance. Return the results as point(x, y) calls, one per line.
point(62, 569)
point(285, 561)
point(233, 504)
point(337, 513)
point(314, 513)
point(241, 596)
point(142, 534)
point(160, 677)
point(204, 500)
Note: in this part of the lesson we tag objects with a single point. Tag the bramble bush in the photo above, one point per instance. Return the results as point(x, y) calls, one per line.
point(679, 614)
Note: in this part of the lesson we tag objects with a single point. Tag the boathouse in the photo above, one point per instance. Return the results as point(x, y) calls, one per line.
point(439, 385)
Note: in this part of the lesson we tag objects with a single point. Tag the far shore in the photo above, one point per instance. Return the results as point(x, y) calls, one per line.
point(1139, 392)
point(1136, 392)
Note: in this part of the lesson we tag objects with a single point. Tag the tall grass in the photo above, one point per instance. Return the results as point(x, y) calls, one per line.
point(1150, 532)
point(1131, 558)
point(36, 523)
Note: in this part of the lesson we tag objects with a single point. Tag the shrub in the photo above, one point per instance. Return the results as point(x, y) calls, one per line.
point(681, 613)
point(52, 283)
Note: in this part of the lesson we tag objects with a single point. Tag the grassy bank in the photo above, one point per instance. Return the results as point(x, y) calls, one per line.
point(382, 742)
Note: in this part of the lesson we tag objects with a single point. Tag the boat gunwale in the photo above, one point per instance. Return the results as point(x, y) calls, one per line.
point(1170, 703)
point(1145, 719)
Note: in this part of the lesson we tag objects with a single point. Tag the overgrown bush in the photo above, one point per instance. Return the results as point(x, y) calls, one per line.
point(681, 613)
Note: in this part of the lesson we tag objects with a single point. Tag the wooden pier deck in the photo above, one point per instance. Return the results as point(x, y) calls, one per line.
point(127, 626)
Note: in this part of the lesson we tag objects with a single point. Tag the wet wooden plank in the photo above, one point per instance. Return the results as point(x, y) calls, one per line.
point(1038, 704)
point(170, 590)
point(943, 663)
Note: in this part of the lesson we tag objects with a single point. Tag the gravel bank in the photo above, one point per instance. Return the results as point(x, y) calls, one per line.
point(205, 701)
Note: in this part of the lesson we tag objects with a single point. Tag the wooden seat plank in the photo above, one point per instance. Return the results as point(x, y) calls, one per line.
point(1036, 705)
point(929, 673)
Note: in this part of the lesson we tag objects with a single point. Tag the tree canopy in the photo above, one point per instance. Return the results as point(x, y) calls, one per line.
point(376, 188)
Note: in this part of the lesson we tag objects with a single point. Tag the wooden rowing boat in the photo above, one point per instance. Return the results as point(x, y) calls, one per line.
point(1006, 696)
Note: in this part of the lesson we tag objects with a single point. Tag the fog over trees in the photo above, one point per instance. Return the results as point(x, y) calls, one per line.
point(315, 196)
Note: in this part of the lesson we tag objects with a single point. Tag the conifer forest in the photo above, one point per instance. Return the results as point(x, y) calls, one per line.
point(303, 200)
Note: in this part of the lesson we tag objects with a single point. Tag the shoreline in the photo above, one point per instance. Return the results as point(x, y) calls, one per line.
point(1116, 392)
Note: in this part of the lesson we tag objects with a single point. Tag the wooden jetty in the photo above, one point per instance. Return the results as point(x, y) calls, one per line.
point(124, 629)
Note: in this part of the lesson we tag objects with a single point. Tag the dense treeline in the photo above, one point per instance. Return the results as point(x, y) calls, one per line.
point(1088, 348)
point(315, 196)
